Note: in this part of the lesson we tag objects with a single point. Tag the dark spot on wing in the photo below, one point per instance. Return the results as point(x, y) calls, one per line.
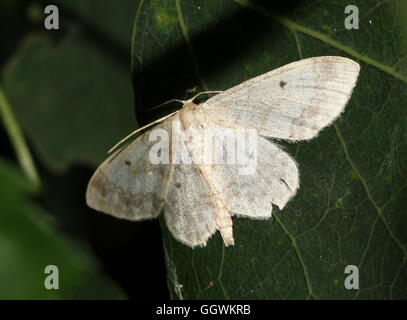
point(99, 182)
point(127, 162)
point(178, 185)
point(283, 181)
point(282, 84)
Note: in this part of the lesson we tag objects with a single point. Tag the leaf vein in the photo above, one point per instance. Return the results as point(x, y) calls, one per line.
point(367, 191)
point(324, 38)
point(188, 42)
point(299, 256)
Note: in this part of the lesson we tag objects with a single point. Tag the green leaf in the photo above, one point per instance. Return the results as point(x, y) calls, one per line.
point(30, 242)
point(350, 208)
point(73, 97)
point(114, 22)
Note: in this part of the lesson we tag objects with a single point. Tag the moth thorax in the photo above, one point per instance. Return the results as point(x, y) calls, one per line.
point(188, 115)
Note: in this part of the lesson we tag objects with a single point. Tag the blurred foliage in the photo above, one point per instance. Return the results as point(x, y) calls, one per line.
point(52, 79)
point(62, 83)
point(72, 94)
point(30, 242)
point(64, 87)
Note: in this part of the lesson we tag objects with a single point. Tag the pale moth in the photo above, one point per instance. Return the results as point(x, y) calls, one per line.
point(291, 103)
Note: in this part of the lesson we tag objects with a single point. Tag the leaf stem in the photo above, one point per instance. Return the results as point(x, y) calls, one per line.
point(17, 139)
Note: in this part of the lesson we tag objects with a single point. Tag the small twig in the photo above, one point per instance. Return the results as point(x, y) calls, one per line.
point(18, 142)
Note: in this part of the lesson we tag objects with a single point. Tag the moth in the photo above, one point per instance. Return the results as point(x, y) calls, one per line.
point(292, 103)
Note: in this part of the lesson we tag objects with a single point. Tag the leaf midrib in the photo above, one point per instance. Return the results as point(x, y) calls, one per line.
point(291, 25)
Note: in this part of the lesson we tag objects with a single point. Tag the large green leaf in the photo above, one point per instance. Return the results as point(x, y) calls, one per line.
point(350, 208)
point(29, 241)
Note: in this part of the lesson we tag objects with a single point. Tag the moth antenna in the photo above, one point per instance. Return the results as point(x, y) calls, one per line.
point(159, 120)
point(204, 92)
point(164, 103)
point(138, 130)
